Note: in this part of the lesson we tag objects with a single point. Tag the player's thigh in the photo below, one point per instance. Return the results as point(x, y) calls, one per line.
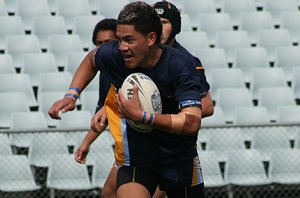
point(110, 186)
point(187, 192)
point(133, 190)
point(132, 178)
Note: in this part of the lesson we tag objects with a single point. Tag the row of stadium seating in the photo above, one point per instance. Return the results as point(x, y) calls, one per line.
point(231, 109)
point(260, 137)
point(263, 138)
point(208, 22)
point(274, 42)
point(63, 173)
point(232, 105)
point(243, 57)
point(35, 68)
point(250, 21)
point(246, 59)
point(70, 8)
point(246, 167)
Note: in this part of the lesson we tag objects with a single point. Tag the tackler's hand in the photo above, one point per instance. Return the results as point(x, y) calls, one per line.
point(81, 153)
point(99, 120)
point(65, 104)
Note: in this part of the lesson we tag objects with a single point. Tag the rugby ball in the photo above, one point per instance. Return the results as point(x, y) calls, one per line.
point(149, 97)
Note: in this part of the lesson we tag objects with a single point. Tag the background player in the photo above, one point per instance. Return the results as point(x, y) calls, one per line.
point(171, 21)
point(104, 31)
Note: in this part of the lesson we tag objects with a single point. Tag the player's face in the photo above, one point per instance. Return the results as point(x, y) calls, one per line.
point(104, 36)
point(166, 30)
point(133, 45)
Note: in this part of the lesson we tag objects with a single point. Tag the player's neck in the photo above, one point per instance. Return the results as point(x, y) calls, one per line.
point(171, 43)
point(154, 56)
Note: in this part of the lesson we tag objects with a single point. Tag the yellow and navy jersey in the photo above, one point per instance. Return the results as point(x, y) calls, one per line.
point(170, 158)
point(176, 77)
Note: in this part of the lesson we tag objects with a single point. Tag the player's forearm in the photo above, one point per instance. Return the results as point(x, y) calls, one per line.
point(187, 122)
point(85, 72)
point(207, 105)
point(90, 137)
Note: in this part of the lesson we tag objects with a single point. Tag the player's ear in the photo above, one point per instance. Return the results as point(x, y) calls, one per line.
point(151, 38)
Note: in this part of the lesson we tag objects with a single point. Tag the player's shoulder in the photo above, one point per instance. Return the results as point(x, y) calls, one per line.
point(175, 55)
point(108, 47)
point(177, 62)
point(109, 51)
point(179, 47)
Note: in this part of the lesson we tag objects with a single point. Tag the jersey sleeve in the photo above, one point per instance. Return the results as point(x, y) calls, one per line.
point(201, 71)
point(187, 86)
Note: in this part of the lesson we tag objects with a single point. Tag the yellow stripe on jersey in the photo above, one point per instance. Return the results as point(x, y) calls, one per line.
point(199, 67)
point(115, 125)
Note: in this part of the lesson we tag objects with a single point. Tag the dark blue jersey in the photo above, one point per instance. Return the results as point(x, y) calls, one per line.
point(177, 79)
point(104, 84)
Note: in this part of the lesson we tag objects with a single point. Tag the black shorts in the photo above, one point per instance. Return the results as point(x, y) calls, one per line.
point(149, 178)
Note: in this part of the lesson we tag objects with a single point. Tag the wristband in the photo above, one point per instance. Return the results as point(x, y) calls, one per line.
point(73, 92)
point(71, 95)
point(143, 118)
point(151, 119)
point(147, 119)
point(75, 89)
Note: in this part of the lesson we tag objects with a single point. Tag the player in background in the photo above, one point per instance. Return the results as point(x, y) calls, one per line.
point(171, 21)
point(104, 31)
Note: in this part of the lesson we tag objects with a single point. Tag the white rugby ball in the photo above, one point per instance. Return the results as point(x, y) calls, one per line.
point(149, 97)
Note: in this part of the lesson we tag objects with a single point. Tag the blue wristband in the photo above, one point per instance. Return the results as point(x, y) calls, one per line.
point(150, 119)
point(75, 89)
point(71, 95)
point(144, 118)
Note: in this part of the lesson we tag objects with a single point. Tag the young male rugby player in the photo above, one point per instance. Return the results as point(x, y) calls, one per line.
point(167, 156)
point(171, 21)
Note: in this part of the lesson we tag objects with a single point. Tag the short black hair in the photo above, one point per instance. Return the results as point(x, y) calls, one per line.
point(105, 24)
point(143, 17)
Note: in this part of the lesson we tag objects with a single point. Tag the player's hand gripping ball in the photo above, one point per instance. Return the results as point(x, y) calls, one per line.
point(149, 97)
